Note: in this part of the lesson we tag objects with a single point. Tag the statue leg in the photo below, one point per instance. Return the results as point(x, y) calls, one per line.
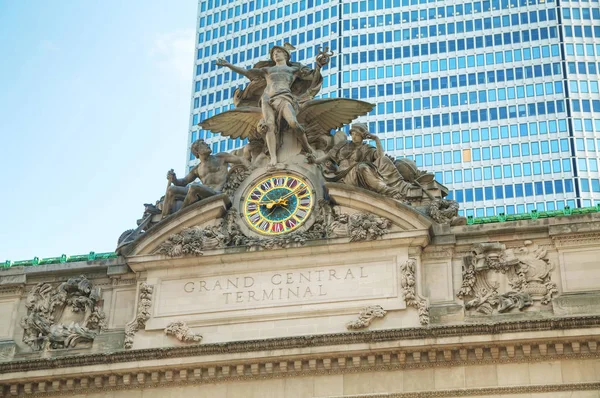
point(270, 136)
point(289, 114)
point(172, 193)
point(368, 177)
point(196, 193)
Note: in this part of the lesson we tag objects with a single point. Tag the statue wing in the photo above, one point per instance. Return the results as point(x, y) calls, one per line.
point(332, 113)
point(235, 123)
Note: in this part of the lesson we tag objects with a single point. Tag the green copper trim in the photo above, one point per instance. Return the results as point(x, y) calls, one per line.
point(91, 256)
point(533, 215)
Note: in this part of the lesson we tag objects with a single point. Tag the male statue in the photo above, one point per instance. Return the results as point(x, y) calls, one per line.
point(279, 101)
point(212, 172)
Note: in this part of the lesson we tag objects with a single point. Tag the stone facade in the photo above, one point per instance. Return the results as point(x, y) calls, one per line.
point(422, 310)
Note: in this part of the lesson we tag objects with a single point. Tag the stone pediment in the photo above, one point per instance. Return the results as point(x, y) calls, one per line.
point(351, 214)
point(199, 213)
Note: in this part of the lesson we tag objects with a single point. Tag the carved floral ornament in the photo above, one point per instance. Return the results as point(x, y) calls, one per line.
point(412, 298)
point(490, 268)
point(142, 314)
point(330, 223)
point(63, 316)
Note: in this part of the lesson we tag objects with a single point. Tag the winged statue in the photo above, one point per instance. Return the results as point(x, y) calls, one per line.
point(280, 99)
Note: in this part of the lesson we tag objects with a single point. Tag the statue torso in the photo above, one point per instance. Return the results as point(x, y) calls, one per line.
point(212, 172)
point(279, 79)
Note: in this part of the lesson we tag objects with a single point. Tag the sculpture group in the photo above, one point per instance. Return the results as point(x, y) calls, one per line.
point(284, 124)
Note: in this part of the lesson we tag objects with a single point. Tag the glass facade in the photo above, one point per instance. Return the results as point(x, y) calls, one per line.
point(498, 98)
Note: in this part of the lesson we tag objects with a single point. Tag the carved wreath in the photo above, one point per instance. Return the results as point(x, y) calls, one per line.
point(47, 324)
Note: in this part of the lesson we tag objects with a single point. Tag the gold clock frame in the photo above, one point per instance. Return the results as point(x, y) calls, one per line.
point(255, 193)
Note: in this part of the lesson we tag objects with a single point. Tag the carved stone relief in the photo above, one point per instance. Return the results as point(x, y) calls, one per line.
point(526, 270)
point(181, 331)
point(408, 283)
point(142, 316)
point(63, 316)
point(445, 211)
point(330, 223)
point(366, 316)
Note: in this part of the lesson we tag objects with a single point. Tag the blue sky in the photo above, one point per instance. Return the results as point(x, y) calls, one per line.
point(94, 107)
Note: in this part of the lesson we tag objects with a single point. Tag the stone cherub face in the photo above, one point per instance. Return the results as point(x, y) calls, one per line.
point(200, 148)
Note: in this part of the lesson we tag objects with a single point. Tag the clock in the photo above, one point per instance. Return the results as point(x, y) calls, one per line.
point(278, 204)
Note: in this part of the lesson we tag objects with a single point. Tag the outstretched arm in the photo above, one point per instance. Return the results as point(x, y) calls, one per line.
point(248, 73)
point(230, 158)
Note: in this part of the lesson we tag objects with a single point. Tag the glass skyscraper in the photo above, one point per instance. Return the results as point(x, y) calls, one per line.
point(498, 98)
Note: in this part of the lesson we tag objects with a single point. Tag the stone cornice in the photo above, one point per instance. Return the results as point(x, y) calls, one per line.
point(171, 373)
point(368, 337)
point(491, 391)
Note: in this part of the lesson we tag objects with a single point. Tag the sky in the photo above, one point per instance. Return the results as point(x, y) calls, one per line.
point(94, 110)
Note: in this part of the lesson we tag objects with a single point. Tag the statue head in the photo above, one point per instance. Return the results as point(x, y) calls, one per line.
point(281, 52)
point(199, 147)
point(359, 132)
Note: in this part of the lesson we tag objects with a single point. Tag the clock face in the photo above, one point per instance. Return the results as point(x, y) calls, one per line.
point(278, 204)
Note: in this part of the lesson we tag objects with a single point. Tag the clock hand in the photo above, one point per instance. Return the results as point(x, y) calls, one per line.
point(291, 193)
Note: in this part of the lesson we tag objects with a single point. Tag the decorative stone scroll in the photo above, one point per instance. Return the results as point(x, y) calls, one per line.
point(526, 271)
point(366, 316)
point(408, 283)
point(63, 316)
point(181, 331)
point(142, 316)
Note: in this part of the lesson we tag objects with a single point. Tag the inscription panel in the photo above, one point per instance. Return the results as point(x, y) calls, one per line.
point(266, 289)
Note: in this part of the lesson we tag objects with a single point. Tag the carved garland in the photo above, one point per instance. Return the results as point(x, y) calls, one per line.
point(63, 316)
point(366, 316)
point(143, 314)
point(181, 331)
point(408, 283)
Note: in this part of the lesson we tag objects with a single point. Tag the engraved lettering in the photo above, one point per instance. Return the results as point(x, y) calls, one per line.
point(267, 296)
point(305, 277)
point(362, 273)
point(276, 277)
point(202, 285)
point(248, 281)
point(319, 273)
point(188, 287)
point(349, 274)
point(251, 294)
point(226, 297)
point(332, 274)
point(229, 282)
